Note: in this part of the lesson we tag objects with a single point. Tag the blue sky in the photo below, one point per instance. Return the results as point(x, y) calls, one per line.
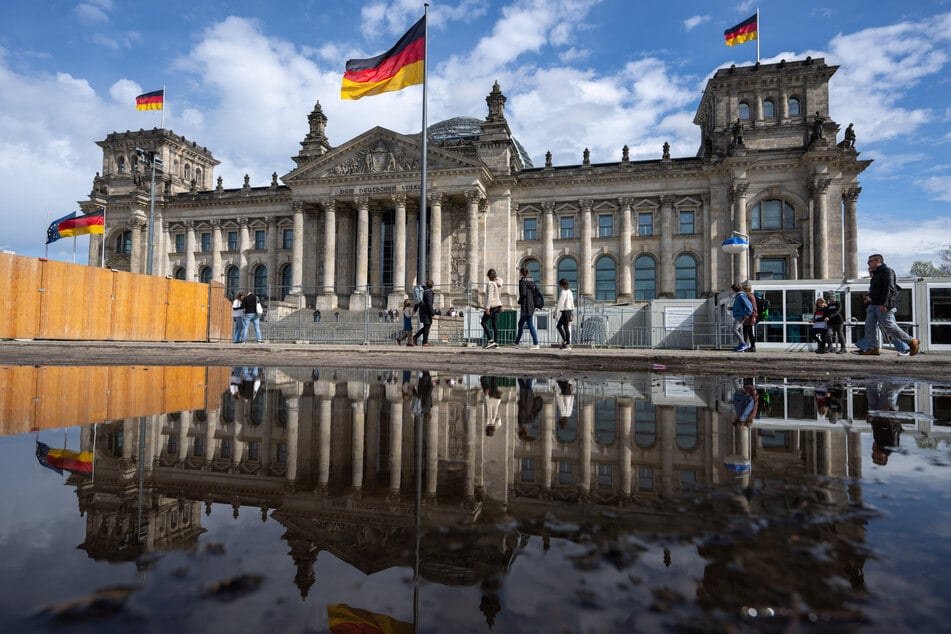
point(241, 77)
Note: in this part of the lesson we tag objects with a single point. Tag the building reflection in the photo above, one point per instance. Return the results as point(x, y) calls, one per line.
point(331, 456)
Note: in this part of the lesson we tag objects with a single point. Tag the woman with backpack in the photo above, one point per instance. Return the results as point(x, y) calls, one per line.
point(749, 322)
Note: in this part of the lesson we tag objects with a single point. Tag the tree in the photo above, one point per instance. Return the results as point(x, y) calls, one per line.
point(924, 269)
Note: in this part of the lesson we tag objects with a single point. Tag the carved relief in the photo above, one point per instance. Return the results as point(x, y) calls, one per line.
point(380, 158)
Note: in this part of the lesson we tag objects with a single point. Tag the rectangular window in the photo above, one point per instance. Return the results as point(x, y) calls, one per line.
point(530, 229)
point(645, 224)
point(565, 473)
point(605, 226)
point(567, 227)
point(254, 450)
point(528, 469)
point(232, 240)
point(605, 475)
point(287, 239)
point(179, 243)
point(259, 235)
point(686, 223)
point(771, 269)
point(205, 242)
point(645, 479)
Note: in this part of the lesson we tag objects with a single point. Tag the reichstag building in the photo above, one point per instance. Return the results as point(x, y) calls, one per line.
point(340, 230)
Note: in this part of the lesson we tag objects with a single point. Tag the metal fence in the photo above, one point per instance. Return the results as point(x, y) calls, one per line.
point(300, 318)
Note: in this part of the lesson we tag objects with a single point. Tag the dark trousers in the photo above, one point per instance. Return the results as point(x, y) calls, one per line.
point(491, 318)
point(837, 335)
point(564, 326)
point(423, 332)
point(821, 337)
point(749, 334)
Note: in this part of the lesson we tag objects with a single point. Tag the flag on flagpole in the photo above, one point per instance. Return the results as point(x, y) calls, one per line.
point(81, 225)
point(745, 31)
point(60, 460)
point(401, 66)
point(52, 232)
point(154, 100)
point(343, 619)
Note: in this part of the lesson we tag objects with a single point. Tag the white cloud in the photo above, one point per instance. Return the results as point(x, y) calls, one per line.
point(904, 243)
point(693, 22)
point(93, 12)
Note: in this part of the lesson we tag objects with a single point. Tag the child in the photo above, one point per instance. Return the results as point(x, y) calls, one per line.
point(820, 327)
point(407, 334)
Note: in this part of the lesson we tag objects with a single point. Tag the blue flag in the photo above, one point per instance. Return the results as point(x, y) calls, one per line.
point(52, 232)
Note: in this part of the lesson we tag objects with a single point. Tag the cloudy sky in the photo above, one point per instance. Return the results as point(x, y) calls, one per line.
point(241, 77)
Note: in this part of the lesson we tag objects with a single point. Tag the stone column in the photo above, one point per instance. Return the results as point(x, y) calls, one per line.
point(820, 188)
point(395, 398)
point(548, 244)
point(546, 441)
point(667, 426)
point(189, 251)
point(666, 268)
point(851, 233)
point(740, 261)
point(470, 420)
point(431, 423)
point(435, 245)
point(184, 424)
point(217, 272)
point(138, 255)
point(293, 436)
point(160, 263)
point(272, 235)
point(586, 439)
point(210, 429)
point(359, 299)
point(323, 392)
point(357, 394)
point(625, 250)
point(625, 422)
point(713, 247)
point(243, 244)
point(586, 266)
point(473, 196)
point(412, 247)
point(297, 249)
point(327, 299)
point(395, 299)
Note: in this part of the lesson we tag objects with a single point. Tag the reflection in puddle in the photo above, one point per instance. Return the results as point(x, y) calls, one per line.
point(469, 502)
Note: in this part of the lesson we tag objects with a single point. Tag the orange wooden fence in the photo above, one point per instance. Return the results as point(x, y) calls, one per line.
point(49, 397)
point(57, 300)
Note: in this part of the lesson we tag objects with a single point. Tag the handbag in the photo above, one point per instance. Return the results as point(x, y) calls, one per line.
point(260, 309)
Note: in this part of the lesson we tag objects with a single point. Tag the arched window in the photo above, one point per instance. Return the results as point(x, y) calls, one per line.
point(769, 109)
point(260, 281)
point(568, 269)
point(120, 164)
point(231, 281)
point(605, 422)
point(124, 242)
point(793, 107)
point(743, 111)
point(188, 172)
point(179, 273)
point(772, 214)
point(645, 278)
point(534, 269)
point(645, 424)
point(204, 275)
point(286, 280)
point(198, 177)
point(685, 276)
point(605, 279)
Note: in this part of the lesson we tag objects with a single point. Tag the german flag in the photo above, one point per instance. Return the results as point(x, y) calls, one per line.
point(81, 225)
point(154, 100)
point(742, 32)
point(60, 460)
point(401, 66)
point(344, 619)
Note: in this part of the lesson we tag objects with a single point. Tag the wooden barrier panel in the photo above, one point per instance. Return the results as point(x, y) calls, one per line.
point(51, 397)
point(187, 311)
point(219, 313)
point(22, 278)
point(139, 308)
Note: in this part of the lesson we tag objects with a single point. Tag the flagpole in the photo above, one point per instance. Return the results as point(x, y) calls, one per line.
point(74, 249)
point(46, 252)
point(759, 33)
point(102, 241)
point(422, 278)
point(163, 86)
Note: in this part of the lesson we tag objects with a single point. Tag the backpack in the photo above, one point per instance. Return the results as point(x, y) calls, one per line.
point(763, 305)
point(417, 295)
point(539, 298)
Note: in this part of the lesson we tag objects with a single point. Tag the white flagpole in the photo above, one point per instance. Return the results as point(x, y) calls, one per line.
point(74, 249)
point(759, 32)
point(163, 86)
point(46, 253)
point(421, 253)
point(102, 242)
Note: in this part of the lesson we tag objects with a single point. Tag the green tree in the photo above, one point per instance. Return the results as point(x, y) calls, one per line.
point(924, 269)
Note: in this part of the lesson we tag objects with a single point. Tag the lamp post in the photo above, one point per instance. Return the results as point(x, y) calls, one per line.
point(739, 243)
point(153, 161)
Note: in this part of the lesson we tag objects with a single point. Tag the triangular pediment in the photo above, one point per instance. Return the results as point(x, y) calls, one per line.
point(777, 244)
point(378, 152)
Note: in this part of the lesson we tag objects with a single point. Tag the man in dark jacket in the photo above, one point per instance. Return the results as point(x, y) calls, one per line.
point(251, 316)
point(882, 300)
point(526, 303)
point(425, 309)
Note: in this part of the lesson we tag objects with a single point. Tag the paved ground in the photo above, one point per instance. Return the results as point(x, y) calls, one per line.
point(467, 360)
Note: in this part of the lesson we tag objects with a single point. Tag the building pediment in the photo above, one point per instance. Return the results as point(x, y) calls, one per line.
point(378, 152)
point(777, 244)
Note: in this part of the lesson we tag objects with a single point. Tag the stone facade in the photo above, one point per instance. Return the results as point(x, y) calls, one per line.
point(341, 230)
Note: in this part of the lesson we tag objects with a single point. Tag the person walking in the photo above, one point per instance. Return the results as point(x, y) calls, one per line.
point(741, 309)
point(749, 322)
point(237, 316)
point(425, 309)
point(407, 333)
point(526, 304)
point(251, 316)
point(566, 312)
point(493, 306)
point(882, 301)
